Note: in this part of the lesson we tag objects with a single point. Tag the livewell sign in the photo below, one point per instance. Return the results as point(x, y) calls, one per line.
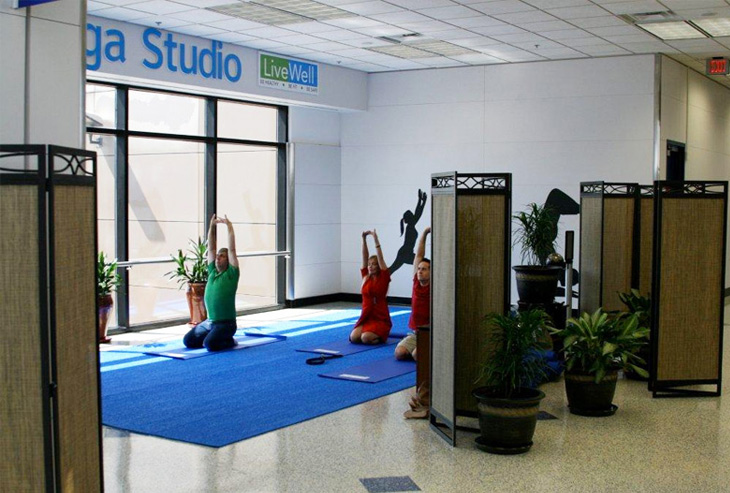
point(288, 74)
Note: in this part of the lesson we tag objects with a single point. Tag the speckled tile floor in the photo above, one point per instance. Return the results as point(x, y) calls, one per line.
point(649, 445)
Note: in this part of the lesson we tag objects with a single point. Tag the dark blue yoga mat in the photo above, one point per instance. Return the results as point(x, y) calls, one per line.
point(236, 394)
point(374, 371)
point(343, 348)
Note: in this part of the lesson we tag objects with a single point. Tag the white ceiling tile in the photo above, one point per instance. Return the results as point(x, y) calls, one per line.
point(566, 13)
point(478, 21)
point(625, 30)
point(696, 45)
point(519, 38)
point(342, 35)
point(159, 7)
point(400, 17)
point(560, 53)
point(566, 34)
point(446, 13)
point(545, 44)
point(262, 44)
point(590, 41)
point(363, 67)
point(370, 8)
point(312, 27)
point(352, 52)
point(298, 39)
point(382, 30)
point(476, 42)
point(504, 29)
point(633, 38)
point(202, 3)
point(294, 51)
point(651, 47)
point(92, 6)
point(698, 4)
point(327, 46)
point(442, 61)
point(121, 14)
point(476, 58)
point(421, 4)
point(162, 22)
point(601, 21)
point(524, 17)
point(634, 7)
point(231, 37)
point(538, 27)
point(427, 26)
point(121, 3)
point(200, 16)
point(353, 22)
point(502, 7)
point(235, 24)
point(552, 4)
point(268, 32)
point(604, 50)
point(453, 34)
point(199, 30)
point(364, 42)
point(702, 13)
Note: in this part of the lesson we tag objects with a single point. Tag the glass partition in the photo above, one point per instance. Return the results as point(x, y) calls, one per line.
point(160, 112)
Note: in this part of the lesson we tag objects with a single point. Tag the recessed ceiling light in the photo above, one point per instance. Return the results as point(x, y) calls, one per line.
point(402, 51)
point(443, 48)
point(672, 30)
point(715, 27)
point(281, 12)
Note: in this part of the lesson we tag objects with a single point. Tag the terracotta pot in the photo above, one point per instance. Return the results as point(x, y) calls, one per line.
point(196, 302)
point(105, 304)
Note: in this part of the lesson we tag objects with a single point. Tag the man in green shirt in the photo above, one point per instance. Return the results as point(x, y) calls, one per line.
point(216, 333)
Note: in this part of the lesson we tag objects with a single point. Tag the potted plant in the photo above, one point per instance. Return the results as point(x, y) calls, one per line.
point(597, 346)
point(641, 306)
point(537, 228)
point(107, 280)
point(507, 405)
point(192, 271)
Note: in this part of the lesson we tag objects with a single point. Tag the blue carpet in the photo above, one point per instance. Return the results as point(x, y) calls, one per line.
point(235, 395)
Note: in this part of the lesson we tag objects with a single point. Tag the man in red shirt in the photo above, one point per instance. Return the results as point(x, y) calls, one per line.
point(420, 318)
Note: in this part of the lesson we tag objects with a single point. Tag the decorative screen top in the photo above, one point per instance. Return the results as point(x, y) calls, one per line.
point(22, 159)
point(493, 182)
point(690, 188)
point(646, 190)
point(72, 164)
point(612, 189)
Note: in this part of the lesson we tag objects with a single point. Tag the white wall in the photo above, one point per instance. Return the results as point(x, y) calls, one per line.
point(696, 110)
point(314, 137)
point(51, 107)
point(550, 124)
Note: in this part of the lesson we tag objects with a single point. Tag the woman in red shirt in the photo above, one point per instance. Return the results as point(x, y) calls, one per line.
point(373, 326)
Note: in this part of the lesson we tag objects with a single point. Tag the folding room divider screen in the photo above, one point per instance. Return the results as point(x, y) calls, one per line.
point(470, 277)
point(609, 243)
point(646, 238)
point(49, 365)
point(690, 238)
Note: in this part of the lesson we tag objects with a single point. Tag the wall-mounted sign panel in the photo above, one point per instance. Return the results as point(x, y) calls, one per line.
point(130, 53)
point(718, 66)
point(21, 4)
point(288, 74)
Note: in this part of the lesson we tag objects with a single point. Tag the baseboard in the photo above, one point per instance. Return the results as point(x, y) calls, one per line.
point(336, 297)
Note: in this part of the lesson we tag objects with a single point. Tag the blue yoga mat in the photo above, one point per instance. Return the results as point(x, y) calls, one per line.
point(234, 395)
point(176, 349)
point(345, 347)
point(374, 371)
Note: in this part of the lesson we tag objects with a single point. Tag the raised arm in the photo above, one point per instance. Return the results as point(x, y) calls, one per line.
point(379, 252)
point(420, 206)
point(212, 250)
point(365, 253)
point(232, 257)
point(421, 249)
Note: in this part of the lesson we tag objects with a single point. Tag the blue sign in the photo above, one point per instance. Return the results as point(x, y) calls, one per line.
point(21, 4)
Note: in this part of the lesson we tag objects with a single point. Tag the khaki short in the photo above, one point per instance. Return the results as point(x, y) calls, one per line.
point(408, 343)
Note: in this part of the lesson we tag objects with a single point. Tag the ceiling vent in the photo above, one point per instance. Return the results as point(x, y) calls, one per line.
point(644, 17)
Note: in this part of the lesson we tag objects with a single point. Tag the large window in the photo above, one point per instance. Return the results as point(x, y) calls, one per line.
point(167, 161)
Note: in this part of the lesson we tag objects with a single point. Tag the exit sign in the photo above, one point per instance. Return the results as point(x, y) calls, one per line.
point(718, 66)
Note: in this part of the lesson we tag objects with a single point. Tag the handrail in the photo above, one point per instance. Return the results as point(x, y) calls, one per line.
point(164, 260)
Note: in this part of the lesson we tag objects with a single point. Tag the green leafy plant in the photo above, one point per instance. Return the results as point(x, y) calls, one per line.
point(191, 267)
point(536, 231)
point(638, 304)
point(107, 277)
point(598, 344)
point(513, 360)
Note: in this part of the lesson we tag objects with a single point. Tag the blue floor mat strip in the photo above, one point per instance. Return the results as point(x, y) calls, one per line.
point(374, 371)
point(234, 395)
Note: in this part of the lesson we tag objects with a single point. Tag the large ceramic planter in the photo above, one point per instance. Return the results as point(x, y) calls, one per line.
point(196, 302)
point(105, 304)
point(537, 284)
point(507, 425)
point(588, 398)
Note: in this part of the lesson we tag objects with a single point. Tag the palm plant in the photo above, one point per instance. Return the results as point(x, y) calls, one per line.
point(597, 344)
point(514, 361)
point(536, 231)
point(197, 272)
point(107, 277)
